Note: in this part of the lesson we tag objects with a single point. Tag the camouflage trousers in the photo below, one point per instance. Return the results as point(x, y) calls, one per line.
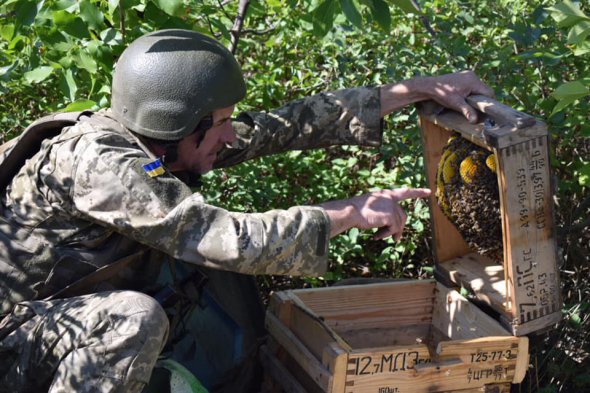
point(103, 342)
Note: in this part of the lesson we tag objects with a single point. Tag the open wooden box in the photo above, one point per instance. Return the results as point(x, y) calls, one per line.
point(405, 336)
point(423, 336)
point(525, 289)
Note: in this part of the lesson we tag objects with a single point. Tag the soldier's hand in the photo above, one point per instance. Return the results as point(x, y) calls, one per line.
point(379, 209)
point(451, 90)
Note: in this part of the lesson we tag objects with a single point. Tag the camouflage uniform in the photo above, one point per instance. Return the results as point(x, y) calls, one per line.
point(84, 201)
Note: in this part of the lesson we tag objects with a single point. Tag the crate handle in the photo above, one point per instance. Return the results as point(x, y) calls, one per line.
point(422, 367)
point(501, 114)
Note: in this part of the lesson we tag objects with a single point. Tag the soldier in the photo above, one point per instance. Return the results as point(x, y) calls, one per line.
point(114, 190)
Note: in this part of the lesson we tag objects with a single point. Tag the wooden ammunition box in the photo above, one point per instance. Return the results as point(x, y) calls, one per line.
point(524, 290)
point(406, 336)
point(423, 336)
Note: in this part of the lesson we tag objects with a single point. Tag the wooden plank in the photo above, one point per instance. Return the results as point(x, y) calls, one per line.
point(529, 244)
point(489, 388)
point(412, 369)
point(502, 114)
point(393, 304)
point(447, 241)
point(304, 357)
point(507, 126)
point(458, 318)
point(454, 121)
point(335, 359)
point(279, 373)
point(280, 304)
point(311, 327)
point(387, 336)
point(483, 349)
point(480, 275)
point(522, 362)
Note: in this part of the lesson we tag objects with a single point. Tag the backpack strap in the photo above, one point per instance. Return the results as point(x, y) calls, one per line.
point(15, 152)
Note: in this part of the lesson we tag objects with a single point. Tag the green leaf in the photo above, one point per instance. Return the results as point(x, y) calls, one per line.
point(584, 175)
point(26, 11)
point(66, 5)
point(111, 36)
point(407, 6)
point(87, 62)
point(16, 43)
point(68, 84)
point(171, 7)
point(563, 104)
point(39, 74)
point(6, 70)
point(71, 24)
point(578, 32)
point(567, 13)
point(113, 4)
point(323, 17)
point(7, 32)
point(352, 13)
point(91, 14)
point(79, 105)
point(381, 14)
point(575, 89)
point(575, 320)
point(353, 235)
point(582, 48)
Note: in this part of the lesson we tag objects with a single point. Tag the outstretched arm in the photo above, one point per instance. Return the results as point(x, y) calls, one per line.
point(379, 209)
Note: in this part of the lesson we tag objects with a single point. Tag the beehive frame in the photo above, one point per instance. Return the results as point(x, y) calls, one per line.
point(525, 289)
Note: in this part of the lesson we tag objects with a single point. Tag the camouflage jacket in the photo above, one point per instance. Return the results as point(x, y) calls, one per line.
point(84, 201)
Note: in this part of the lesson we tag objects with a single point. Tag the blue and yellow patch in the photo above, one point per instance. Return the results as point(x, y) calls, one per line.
point(154, 168)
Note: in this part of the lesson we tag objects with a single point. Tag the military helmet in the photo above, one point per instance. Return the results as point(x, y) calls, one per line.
point(165, 82)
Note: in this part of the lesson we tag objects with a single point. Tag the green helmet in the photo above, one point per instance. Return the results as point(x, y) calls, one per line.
point(165, 82)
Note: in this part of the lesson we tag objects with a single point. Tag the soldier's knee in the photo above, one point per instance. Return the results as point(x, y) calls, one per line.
point(143, 311)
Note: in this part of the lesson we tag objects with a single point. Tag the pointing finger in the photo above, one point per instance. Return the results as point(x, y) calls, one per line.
point(411, 193)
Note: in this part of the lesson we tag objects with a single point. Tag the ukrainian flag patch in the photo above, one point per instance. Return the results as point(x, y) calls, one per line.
point(154, 168)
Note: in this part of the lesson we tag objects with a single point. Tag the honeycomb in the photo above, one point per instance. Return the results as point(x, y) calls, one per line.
point(467, 193)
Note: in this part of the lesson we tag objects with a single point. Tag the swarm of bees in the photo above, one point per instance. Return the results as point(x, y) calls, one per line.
point(467, 193)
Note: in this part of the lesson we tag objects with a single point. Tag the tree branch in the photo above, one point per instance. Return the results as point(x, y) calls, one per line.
point(258, 32)
point(222, 7)
point(238, 24)
point(424, 20)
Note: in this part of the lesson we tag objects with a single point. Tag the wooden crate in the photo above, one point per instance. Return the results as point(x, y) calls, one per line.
point(524, 290)
point(404, 336)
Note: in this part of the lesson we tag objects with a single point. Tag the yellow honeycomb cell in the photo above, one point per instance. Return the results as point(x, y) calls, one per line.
point(448, 171)
point(491, 162)
point(467, 169)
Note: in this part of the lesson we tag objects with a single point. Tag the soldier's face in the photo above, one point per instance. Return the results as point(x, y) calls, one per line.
point(199, 157)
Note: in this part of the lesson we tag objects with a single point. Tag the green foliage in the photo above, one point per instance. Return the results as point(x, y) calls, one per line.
point(59, 55)
point(569, 15)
